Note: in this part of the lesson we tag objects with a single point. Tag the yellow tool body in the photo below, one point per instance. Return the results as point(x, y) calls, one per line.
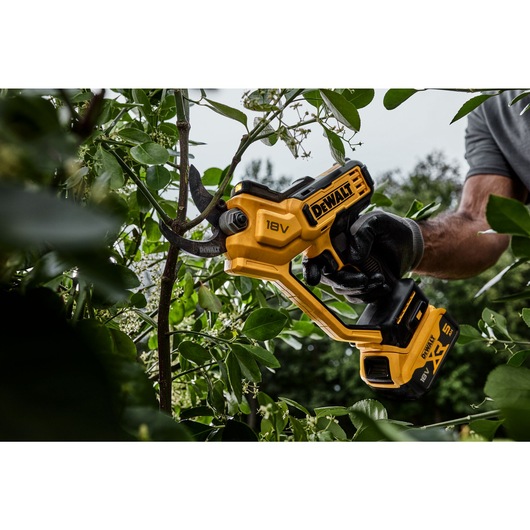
point(278, 232)
point(403, 339)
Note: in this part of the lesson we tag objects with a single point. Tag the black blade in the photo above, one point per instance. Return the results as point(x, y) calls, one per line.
point(203, 249)
point(202, 198)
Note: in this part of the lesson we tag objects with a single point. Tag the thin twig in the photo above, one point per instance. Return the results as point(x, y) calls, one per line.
point(464, 420)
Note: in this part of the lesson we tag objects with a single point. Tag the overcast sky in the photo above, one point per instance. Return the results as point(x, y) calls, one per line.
point(391, 139)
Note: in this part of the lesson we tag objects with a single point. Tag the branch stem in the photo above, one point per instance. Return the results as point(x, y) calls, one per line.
point(464, 420)
point(169, 274)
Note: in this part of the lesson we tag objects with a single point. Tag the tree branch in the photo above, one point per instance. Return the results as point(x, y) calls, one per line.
point(170, 270)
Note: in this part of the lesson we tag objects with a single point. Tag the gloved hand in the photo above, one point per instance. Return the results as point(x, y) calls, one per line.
point(378, 250)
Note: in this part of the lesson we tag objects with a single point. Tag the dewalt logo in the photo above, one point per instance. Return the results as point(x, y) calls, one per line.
point(331, 201)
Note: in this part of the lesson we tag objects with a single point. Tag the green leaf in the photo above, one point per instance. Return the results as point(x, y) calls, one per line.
point(176, 312)
point(152, 425)
point(261, 100)
point(289, 140)
point(323, 412)
point(343, 309)
point(208, 300)
point(247, 363)
point(234, 375)
point(216, 393)
point(111, 168)
point(111, 280)
point(139, 96)
point(194, 352)
point(152, 229)
point(264, 324)
point(168, 108)
point(81, 97)
point(172, 132)
point(424, 212)
point(32, 218)
point(244, 284)
point(520, 246)
point(265, 399)
point(371, 430)
point(150, 153)
point(130, 383)
point(157, 177)
point(122, 344)
point(342, 109)
point(525, 314)
point(381, 200)
point(212, 176)
point(508, 216)
point(496, 321)
point(468, 334)
point(299, 432)
point(371, 408)
point(133, 135)
point(196, 412)
point(138, 300)
point(77, 177)
point(485, 428)
point(336, 146)
point(264, 356)
point(509, 387)
point(295, 405)
point(314, 98)
point(471, 105)
point(237, 431)
point(302, 328)
point(518, 358)
point(146, 318)
point(228, 112)
point(271, 137)
point(360, 97)
point(394, 97)
point(49, 266)
point(370, 419)
point(329, 430)
point(433, 434)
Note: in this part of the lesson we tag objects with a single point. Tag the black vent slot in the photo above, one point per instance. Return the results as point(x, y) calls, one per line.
point(377, 370)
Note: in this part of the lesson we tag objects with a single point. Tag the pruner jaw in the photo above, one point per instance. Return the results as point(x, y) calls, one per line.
point(203, 249)
point(202, 199)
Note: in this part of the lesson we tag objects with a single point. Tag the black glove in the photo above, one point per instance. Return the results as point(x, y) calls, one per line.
point(379, 249)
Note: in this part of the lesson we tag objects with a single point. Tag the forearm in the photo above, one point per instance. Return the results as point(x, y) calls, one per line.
point(456, 247)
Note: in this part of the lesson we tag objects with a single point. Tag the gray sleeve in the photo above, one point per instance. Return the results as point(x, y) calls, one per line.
point(482, 151)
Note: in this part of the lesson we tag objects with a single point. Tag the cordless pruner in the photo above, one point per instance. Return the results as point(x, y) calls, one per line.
point(403, 340)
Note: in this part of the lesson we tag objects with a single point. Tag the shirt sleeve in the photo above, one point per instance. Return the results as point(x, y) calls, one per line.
point(482, 151)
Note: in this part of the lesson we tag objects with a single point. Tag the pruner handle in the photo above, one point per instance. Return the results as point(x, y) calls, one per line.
point(305, 299)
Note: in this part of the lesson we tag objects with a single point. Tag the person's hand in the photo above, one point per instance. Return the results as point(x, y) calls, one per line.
point(378, 250)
